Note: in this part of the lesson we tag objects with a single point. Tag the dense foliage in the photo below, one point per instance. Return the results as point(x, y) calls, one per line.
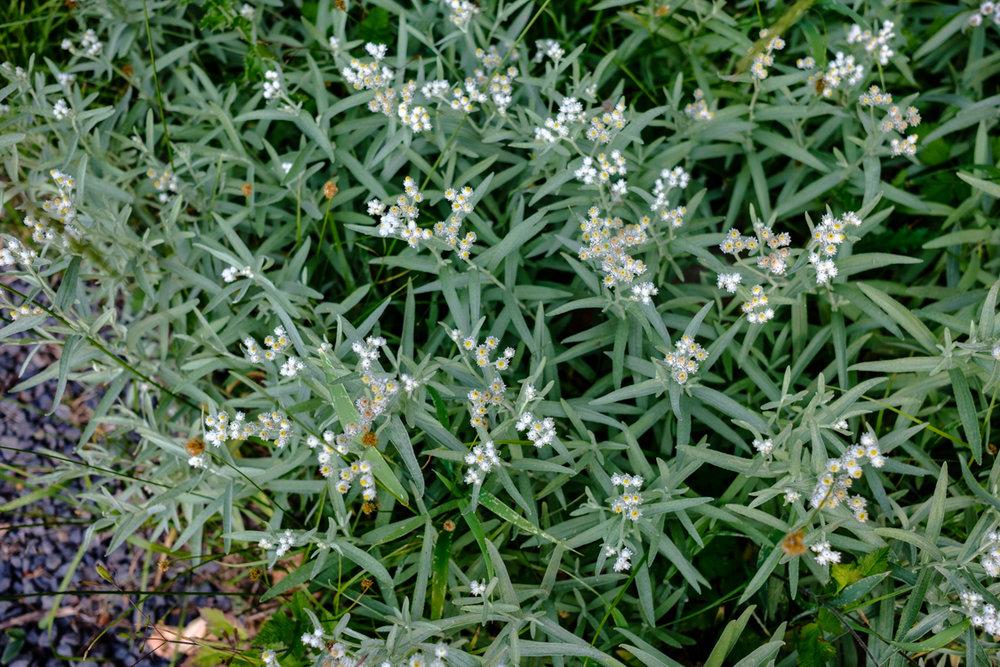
point(632, 333)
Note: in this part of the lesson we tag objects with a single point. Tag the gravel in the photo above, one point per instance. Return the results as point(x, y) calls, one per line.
point(40, 540)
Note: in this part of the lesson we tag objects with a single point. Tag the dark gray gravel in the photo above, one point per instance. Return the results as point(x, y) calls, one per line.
point(35, 557)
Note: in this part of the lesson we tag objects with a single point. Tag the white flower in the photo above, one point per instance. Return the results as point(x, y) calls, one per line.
point(756, 308)
point(685, 360)
point(876, 44)
point(791, 495)
point(623, 563)
point(480, 460)
point(461, 12)
point(548, 48)
point(272, 85)
point(824, 554)
point(907, 146)
point(291, 367)
point(61, 109)
point(286, 167)
point(247, 11)
point(729, 282)
point(629, 501)
point(540, 432)
point(644, 292)
point(91, 45)
point(334, 43)
point(232, 274)
point(477, 587)
point(284, 542)
point(270, 658)
point(698, 110)
point(765, 446)
point(314, 638)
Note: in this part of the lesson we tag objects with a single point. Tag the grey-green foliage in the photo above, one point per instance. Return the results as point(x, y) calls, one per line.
point(185, 174)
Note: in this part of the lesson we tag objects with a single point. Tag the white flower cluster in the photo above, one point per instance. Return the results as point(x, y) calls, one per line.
point(669, 180)
point(548, 48)
point(991, 558)
point(607, 240)
point(61, 110)
point(400, 219)
point(764, 446)
point(247, 11)
point(827, 239)
point(61, 206)
point(605, 125)
point(231, 274)
point(764, 59)
point(480, 460)
point(735, 243)
point(314, 639)
point(896, 119)
point(623, 558)
point(362, 471)
point(40, 232)
point(14, 252)
point(275, 344)
point(89, 45)
point(480, 401)
point(374, 75)
point(280, 545)
point(644, 292)
point(987, 10)
point(698, 110)
point(982, 615)
point(806, 63)
point(478, 588)
point(685, 359)
point(499, 82)
point(272, 426)
point(165, 183)
point(756, 308)
point(629, 501)
point(540, 432)
point(729, 282)
point(270, 658)
point(272, 87)
point(876, 44)
point(460, 12)
point(461, 206)
point(824, 554)
point(570, 113)
point(843, 69)
point(606, 166)
point(833, 486)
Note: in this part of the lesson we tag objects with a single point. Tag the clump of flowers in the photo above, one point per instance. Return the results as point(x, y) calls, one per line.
point(165, 183)
point(280, 544)
point(896, 120)
point(986, 10)
point(623, 558)
point(698, 110)
point(824, 554)
point(764, 446)
point(827, 238)
point(990, 560)
point(765, 58)
point(607, 239)
point(362, 471)
point(669, 180)
point(628, 503)
point(90, 46)
point(548, 48)
point(540, 432)
point(834, 484)
point(606, 124)
point(482, 400)
point(756, 308)
point(729, 282)
point(685, 359)
point(570, 113)
point(274, 344)
point(460, 12)
point(982, 615)
point(876, 44)
point(480, 461)
point(231, 274)
point(601, 171)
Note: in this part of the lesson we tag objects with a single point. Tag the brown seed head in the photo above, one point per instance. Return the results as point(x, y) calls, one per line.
point(369, 439)
point(246, 189)
point(794, 543)
point(330, 190)
point(195, 446)
point(448, 526)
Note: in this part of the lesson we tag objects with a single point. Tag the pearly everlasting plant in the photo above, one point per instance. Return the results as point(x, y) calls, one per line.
point(525, 333)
